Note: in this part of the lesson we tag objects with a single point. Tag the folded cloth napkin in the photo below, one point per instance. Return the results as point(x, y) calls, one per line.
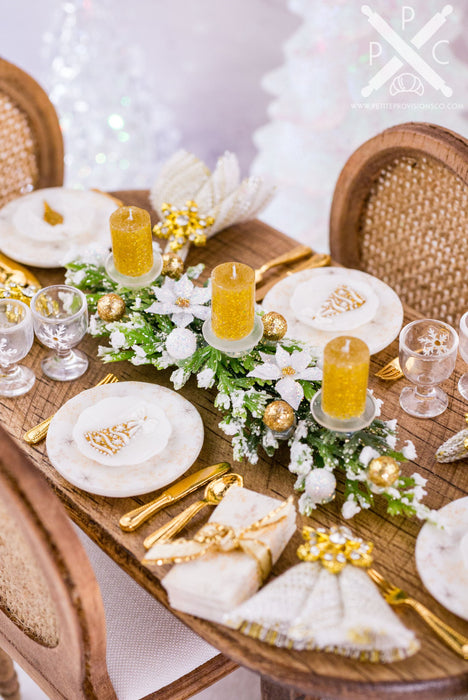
point(218, 581)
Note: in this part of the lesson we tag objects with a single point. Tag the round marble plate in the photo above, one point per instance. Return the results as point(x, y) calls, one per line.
point(184, 444)
point(28, 239)
point(377, 333)
point(442, 557)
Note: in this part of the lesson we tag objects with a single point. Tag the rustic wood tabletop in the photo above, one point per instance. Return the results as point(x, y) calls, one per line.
point(435, 671)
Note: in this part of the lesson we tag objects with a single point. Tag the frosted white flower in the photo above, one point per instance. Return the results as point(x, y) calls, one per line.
point(205, 378)
point(418, 479)
point(182, 300)
point(179, 377)
point(391, 424)
point(140, 357)
point(137, 303)
point(287, 369)
point(378, 404)
point(76, 277)
point(222, 401)
point(368, 453)
point(391, 440)
point(117, 340)
point(231, 428)
point(409, 451)
point(350, 508)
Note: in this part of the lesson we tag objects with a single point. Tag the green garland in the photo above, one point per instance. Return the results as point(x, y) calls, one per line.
point(144, 335)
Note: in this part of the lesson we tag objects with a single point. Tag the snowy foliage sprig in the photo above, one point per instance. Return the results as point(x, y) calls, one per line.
point(158, 330)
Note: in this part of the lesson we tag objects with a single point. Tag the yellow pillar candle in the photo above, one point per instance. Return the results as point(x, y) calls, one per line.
point(232, 300)
point(345, 377)
point(132, 241)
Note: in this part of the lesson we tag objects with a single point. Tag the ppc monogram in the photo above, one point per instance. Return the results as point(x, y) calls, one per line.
point(406, 54)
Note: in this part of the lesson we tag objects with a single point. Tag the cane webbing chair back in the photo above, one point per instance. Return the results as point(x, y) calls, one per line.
point(31, 144)
point(51, 614)
point(400, 212)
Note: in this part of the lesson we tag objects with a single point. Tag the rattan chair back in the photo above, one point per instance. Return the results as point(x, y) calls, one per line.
point(51, 614)
point(31, 141)
point(400, 212)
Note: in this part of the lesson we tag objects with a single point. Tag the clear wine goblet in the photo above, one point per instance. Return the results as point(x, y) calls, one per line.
point(428, 351)
point(60, 315)
point(16, 339)
point(463, 382)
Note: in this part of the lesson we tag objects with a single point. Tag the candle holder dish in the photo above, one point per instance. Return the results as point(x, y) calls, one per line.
point(343, 425)
point(138, 281)
point(234, 348)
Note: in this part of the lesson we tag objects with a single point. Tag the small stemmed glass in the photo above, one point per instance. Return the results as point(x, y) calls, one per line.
point(60, 315)
point(463, 382)
point(428, 352)
point(16, 339)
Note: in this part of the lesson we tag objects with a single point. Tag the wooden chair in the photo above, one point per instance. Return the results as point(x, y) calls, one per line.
point(30, 137)
point(52, 616)
point(400, 212)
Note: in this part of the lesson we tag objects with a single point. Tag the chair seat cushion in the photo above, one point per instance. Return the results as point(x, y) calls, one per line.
point(147, 647)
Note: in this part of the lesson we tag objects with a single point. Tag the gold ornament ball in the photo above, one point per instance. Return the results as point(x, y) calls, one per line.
point(278, 416)
point(173, 266)
point(274, 326)
point(383, 471)
point(111, 307)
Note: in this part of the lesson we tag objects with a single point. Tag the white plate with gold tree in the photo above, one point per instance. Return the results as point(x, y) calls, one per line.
point(124, 439)
point(49, 227)
point(321, 304)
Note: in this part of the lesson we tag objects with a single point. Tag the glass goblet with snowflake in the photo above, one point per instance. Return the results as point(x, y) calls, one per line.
point(428, 351)
point(16, 339)
point(60, 315)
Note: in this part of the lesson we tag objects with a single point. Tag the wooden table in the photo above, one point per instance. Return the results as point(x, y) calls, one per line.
point(434, 672)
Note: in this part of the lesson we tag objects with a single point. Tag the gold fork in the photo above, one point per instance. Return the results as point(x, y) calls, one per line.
point(395, 596)
point(391, 371)
point(38, 433)
point(297, 253)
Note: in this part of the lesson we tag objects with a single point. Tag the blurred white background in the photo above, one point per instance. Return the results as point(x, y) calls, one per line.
point(272, 80)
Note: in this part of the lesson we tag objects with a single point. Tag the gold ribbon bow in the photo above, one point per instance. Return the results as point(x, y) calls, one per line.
point(334, 548)
point(216, 537)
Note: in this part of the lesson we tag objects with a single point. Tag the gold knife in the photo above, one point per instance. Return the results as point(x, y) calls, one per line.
point(130, 521)
point(317, 260)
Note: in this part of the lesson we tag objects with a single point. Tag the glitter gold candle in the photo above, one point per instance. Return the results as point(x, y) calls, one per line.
point(345, 377)
point(232, 300)
point(132, 241)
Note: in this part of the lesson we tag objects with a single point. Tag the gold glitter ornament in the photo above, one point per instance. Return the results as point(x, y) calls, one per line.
point(111, 307)
point(383, 471)
point(182, 226)
point(173, 266)
point(279, 416)
point(274, 326)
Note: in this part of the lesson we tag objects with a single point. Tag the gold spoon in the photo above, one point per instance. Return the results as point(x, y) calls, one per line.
point(214, 493)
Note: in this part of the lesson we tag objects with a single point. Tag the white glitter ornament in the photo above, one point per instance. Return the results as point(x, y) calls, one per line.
point(181, 343)
point(320, 485)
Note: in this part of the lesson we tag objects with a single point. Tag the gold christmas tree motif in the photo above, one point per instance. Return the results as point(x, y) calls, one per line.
point(109, 441)
point(181, 226)
point(334, 548)
point(342, 299)
point(51, 216)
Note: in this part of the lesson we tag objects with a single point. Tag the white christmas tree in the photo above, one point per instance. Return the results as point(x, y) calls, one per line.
point(116, 135)
point(315, 124)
